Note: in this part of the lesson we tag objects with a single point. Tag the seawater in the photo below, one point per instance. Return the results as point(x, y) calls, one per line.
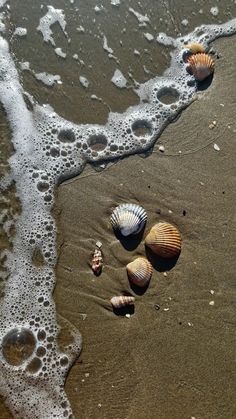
point(48, 149)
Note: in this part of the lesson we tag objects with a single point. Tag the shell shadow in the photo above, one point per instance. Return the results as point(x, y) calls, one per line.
point(203, 85)
point(122, 311)
point(130, 242)
point(138, 290)
point(160, 264)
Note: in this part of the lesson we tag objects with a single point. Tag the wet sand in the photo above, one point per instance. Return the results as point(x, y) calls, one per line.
point(176, 362)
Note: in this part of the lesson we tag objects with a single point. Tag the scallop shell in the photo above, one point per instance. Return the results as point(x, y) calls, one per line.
point(195, 48)
point(201, 66)
point(128, 219)
point(139, 271)
point(122, 301)
point(97, 262)
point(164, 239)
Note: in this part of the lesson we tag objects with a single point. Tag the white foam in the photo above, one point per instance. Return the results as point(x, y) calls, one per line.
point(47, 78)
point(2, 2)
point(52, 16)
point(60, 53)
point(105, 45)
point(149, 36)
point(84, 81)
point(119, 79)
point(214, 11)
point(142, 19)
point(20, 31)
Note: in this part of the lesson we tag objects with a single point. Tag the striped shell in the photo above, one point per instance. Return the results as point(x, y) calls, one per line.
point(97, 262)
point(139, 271)
point(128, 219)
point(195, 48)
point(122, 301)
point(201, 66)
point(164, 239)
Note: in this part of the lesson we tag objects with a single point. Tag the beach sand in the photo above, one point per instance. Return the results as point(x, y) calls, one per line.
point(176, 362)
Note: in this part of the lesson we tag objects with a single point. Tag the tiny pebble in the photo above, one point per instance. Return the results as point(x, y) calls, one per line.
point(166, 309)
point(161, 148)
point(212, 303)
point(170, 211)
point(165, 273)
point(190, 324)
point(212, 124)
point(99, 244)
point(216, 147)
point(212, 292)
point(128, 315)
point(99, 405)
point(86, 374)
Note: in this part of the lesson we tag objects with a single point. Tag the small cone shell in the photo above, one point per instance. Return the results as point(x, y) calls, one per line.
point(164, 239)
point(97, 262)
point(122, 301)
point(139, 272)
point(195, 48)
point(201, 66)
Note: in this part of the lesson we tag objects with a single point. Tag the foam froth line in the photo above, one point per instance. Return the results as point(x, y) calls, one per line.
point(49, 148)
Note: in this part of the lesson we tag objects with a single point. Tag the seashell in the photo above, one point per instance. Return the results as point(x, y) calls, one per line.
point(128, 219)
point(139, 271)
point(122, 301)
point(201, 66)
point(195, 48)
point(164, 239)
point(97, 262)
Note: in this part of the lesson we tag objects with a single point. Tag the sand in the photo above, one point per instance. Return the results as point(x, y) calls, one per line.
point(176, 362)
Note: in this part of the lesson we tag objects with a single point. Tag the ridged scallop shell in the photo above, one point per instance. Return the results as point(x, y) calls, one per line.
point(201, 66)
point(128, 219)
point(139, 271)
point(195, 48)
point(122, 301)
point(164, 239)
point(97, 262)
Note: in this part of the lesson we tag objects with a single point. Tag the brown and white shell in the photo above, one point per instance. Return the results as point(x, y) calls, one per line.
point(139, 272)
point(195, 48)
point(200, 65)
point(164, 239)
point(122, 301)
point(97, 262)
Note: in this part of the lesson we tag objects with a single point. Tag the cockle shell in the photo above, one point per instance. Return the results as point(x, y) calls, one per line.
point(122, 301)
point(128, 219)
point(195, 48)
point(139, 271)
point(200, 65)
point(164, 239)
point(97, 261)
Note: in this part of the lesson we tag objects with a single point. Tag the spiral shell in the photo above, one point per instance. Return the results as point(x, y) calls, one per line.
point(201, 66)
point(164, 239)
point(97, 262)
point(139, 271)
point(122, 301)
point(195, 48)
point(128, 219)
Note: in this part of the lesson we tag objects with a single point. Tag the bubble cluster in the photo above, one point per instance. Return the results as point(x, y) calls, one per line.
point(49, 149)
